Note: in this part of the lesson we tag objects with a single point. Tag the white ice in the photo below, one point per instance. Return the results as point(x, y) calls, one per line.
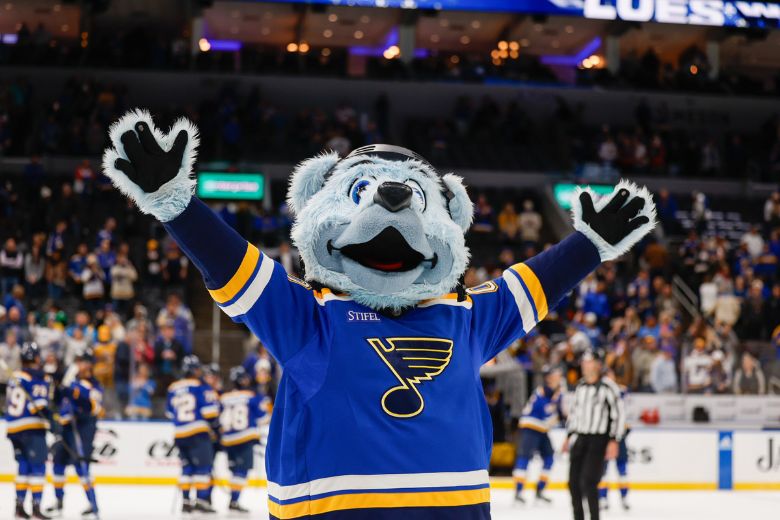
point(156, 503)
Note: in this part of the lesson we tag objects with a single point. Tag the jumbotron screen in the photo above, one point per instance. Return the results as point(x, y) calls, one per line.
point(717, 13)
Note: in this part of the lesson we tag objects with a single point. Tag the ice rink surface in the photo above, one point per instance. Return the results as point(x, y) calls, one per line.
point(155, 503)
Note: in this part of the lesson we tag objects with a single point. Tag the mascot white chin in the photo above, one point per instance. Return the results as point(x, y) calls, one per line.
point(380, 412)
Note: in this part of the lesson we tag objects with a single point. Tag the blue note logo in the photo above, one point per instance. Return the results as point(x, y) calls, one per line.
point(412, 361)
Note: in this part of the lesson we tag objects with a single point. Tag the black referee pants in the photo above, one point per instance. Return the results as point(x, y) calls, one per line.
point(586, 463)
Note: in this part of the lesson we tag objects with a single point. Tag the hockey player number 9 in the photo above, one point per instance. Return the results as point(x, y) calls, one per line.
point(17, 400)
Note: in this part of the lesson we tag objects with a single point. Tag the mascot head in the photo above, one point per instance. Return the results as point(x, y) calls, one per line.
point(381, 225)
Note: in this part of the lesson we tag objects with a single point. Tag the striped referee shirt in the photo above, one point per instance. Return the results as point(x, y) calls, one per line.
point(597, 409)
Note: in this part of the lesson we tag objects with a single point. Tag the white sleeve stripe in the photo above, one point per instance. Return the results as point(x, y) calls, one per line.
point(375, 482)
point(253, 292)
point(521, 300)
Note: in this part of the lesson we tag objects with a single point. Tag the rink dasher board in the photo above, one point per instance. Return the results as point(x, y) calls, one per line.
point(142, 453)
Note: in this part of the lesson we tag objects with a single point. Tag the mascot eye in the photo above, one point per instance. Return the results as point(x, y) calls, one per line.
point(357, 190)
point(418, 192)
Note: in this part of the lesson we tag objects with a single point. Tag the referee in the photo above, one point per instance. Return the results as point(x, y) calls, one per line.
point(595, 426)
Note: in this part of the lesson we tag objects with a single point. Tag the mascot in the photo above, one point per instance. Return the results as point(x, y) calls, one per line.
point(380, 412)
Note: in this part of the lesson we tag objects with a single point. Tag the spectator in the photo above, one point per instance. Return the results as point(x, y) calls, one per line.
point(92, 278)
point(75, 345)
point(719, 376)
point(11, 266)
point(83, 178)
point(77, 264)
point(34, 267)
point(105, 355)
point(530, 224)
point(697, 368)
point(643, 359)
point(141, 392)
point(123, 276)
point(123, 364)
point(508, 222)
point(10, 359)
point(168, 353)
point(749, 379)
point(483, 216)
point(56, 275)
point(663, 373)
point(288, 259)
point(176, 313)
point(753, 241)
point(608, 151)
point(174, 269)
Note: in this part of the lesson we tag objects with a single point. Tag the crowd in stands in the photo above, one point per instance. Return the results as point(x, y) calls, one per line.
point(80, 268)
point(727, 343)
point(476, 133)
point(143, 47)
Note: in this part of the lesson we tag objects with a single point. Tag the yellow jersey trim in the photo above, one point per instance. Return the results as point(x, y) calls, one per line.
point(534, 287)
point(379, 500)
point(240, 278)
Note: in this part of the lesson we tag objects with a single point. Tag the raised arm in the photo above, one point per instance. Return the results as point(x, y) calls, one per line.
point(155, 171)
point(509, 307)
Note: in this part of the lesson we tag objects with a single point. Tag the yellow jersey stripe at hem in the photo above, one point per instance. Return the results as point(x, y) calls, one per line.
point(240, 278)
point(379, 500)
point(534, 287)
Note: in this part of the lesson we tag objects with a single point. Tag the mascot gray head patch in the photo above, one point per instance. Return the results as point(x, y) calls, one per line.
point(380, 225)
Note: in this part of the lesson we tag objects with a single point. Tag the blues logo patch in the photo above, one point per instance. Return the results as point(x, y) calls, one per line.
point(412, 361)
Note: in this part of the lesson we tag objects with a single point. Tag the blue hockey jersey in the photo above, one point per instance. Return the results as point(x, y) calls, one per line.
point(543, 410)
point(27, 395)
point(83, 398)
point(374, 411)
point(192, 405)
point(240, 416)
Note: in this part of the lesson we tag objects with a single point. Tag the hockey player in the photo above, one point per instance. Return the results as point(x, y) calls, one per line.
point(542, 412)
point(242, 412)
point(27, 402)
point(192, 406)
point(621, 463)
point(81, 405)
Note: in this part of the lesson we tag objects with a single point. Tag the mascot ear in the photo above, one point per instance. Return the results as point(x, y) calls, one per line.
point(308, 178)
point(460, 206)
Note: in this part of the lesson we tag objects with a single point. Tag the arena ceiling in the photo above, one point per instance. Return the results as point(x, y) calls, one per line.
point(279, 24)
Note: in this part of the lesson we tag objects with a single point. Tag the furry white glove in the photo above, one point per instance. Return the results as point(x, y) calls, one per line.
point(152, 168)
point(615, 222)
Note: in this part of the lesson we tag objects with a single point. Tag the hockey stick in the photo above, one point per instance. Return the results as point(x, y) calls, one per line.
point(88, 488)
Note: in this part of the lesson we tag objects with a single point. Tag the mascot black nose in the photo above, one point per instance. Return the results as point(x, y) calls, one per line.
point(393, 196)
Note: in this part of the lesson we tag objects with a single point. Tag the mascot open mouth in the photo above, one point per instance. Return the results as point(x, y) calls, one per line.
point(388, 252)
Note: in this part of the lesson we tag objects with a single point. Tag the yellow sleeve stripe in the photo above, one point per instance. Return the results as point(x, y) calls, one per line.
point(354, 501)
point(534, 287)
point(240, 278)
